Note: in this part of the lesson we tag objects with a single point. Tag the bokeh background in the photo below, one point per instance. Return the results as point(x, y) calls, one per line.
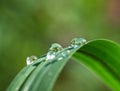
point(29, 27)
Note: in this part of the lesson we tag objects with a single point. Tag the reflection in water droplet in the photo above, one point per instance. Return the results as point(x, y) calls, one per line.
point(50, 55)
point(30, 60)
point(76, 42)
point(55, 47)
point(53, 51)
point(68, 51)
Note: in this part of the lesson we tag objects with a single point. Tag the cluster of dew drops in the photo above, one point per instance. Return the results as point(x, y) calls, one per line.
point(56, 49)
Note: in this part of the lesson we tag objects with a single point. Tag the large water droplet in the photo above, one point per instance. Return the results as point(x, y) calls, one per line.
point(76, 42)
point(53, 51)
point(31, 59)
point(55, 47)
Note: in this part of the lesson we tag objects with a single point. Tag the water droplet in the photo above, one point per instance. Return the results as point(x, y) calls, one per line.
point(31, 59)
point(68, 51)
point(60, 58)
point(50, 55)
point(64, 54)
point(55, 47)
point(53, 51)
point(76, 42)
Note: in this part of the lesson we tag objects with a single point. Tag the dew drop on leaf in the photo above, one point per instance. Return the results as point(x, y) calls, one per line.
point(60, 58)
point(31, 59)
point(64, 54)
point(53, 51)
point(76, 42)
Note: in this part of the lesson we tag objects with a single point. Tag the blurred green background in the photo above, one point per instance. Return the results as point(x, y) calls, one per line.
point(28, 27)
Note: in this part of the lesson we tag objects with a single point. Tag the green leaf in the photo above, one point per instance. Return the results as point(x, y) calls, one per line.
point(100, 56)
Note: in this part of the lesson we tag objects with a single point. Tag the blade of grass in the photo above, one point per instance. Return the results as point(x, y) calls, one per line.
point(22, 76)
point(101, 56)
point(48, 73)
